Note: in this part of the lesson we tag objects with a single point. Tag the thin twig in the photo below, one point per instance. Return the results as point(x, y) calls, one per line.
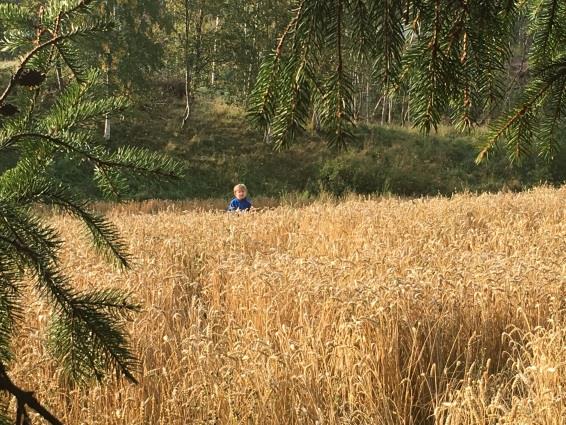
point(54, 40)
point(25, 398)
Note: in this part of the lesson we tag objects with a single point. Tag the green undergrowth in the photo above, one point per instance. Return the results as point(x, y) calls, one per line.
point(219, 148)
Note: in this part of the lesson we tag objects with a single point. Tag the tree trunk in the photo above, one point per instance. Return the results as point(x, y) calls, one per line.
point(192, 68)
point(112, 14)
point(213, 70)
point(59, 75)
point(187, 114)
point(315, 121)
point(408, 113)
point(367, 102)
point(383, 108)
point(377, 106)
point(107, 117)
point(403, 103)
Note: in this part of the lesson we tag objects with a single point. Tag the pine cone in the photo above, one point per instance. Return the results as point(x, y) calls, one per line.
point(30, 78)
point(7, 109)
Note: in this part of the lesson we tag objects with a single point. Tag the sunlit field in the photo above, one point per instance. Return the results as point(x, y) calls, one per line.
point(363, 311)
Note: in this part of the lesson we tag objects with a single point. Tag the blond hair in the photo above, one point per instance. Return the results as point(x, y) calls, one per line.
point(241, 186)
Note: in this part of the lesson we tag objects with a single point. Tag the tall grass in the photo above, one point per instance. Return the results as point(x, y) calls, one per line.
point(367, 311)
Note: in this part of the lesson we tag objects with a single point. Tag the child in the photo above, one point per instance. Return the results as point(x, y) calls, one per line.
point(240, 201)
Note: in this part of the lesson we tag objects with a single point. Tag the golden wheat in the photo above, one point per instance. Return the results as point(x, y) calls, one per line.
point(367, 311)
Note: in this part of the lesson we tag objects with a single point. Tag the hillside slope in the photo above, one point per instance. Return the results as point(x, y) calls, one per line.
point(220, 148)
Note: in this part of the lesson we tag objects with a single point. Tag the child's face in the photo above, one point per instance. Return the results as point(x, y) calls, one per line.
point(240, 193)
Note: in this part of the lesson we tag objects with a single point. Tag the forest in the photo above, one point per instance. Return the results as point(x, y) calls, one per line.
point(194, 75)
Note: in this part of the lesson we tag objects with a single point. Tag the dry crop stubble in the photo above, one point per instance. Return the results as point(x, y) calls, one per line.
point(368, 311)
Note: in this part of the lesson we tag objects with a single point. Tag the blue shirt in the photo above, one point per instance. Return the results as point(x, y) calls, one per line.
point(242, 205)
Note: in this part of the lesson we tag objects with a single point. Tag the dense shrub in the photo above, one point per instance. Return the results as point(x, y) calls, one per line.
point(403, 163)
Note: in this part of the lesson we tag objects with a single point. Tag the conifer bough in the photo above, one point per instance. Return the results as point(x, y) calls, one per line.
point(86, 333)
point(449, 59)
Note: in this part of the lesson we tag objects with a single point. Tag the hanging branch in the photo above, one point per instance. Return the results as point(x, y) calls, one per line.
point(261, 109)
point(511, 121)
point(430, 109)
point(87, 333)
point(55, 39)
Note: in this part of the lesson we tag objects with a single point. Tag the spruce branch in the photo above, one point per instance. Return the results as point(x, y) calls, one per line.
point(264, 93)
point(105, 235)
point(545, 24)
point(339, 73)
point(88, 335)
point(10, 307)
point(79, 6)
point(127, 158)
point(338, 97)
point(515, 117)
point(72, 61)
point(14, 16)
point(535, 94)
point(32, 53)
point(549, 144)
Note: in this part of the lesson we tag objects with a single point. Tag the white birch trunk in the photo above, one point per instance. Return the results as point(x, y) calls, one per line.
point(213, 70)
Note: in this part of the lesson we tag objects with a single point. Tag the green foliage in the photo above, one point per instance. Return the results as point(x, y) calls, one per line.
point(448, 59)
point(220, 149)
point(225, 44)
point(87, 333)
point(92, 339)
point(132, 52)
point(536, 122)
point(400, 163)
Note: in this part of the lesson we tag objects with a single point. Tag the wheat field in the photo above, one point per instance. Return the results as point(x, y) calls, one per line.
point(363, 311)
